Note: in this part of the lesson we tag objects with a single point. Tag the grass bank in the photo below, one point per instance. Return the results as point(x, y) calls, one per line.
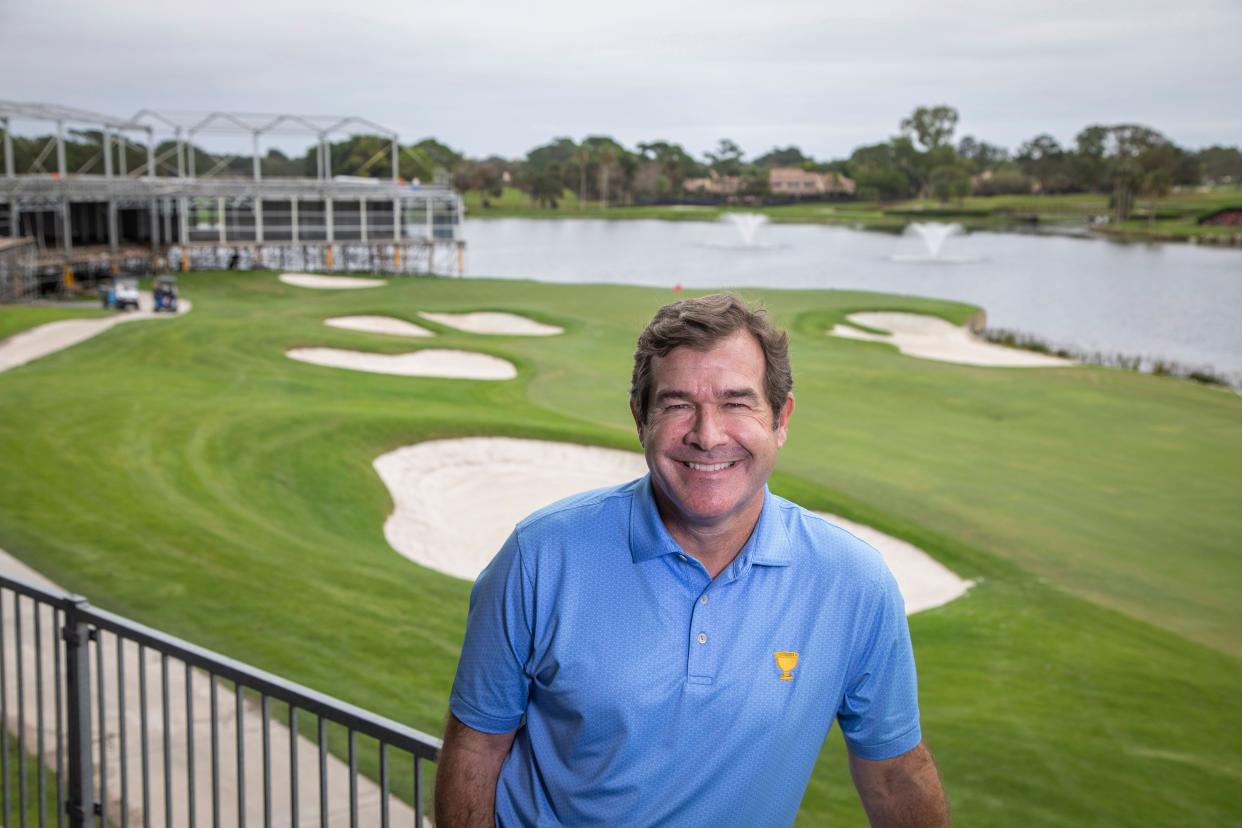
point(1173, 218)
point(190, 475)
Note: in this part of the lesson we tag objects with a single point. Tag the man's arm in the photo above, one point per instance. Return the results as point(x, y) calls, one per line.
point(466, 775)
point(902, 792)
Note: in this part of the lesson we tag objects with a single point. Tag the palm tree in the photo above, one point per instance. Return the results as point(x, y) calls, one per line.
point(583, 157)
point(607, 159)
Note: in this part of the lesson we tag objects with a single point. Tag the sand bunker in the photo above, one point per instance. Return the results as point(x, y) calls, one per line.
point(928, 337)
point(432, 362)
point(438, 488)
point(47, 339)
point(308, 280)
point(378, 324)
point(491, 322)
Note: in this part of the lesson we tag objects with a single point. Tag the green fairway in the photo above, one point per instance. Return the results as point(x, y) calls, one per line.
point(191, 476)
point(24, 769)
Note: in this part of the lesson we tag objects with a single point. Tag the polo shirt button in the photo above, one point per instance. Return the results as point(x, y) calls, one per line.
point(703, 600)
point(702, 638)
point(683, 557)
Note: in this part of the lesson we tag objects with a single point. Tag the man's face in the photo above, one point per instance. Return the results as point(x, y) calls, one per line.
point(709, 436)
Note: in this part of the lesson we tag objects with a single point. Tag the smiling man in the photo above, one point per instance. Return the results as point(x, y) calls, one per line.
point(673, 651)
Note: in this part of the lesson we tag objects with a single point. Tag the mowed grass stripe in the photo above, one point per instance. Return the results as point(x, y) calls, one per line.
point(17, 318)
point(191, 475)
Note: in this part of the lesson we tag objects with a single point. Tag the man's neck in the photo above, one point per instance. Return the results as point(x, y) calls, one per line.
point(715, 545)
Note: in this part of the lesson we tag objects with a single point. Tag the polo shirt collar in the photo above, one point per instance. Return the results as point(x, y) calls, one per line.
point(768, 544)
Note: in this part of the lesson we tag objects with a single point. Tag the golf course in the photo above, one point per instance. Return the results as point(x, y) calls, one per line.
point(188, 474)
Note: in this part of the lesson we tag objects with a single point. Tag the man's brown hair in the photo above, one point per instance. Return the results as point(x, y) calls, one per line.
point(700, 324)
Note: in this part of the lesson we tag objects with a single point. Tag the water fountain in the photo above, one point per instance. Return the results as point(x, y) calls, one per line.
point(747, 225)
point(933, 235)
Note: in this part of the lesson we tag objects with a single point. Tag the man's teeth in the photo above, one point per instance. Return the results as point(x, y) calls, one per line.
point(711, 467)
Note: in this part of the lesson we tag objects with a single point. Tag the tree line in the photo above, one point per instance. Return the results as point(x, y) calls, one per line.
point(924, 159)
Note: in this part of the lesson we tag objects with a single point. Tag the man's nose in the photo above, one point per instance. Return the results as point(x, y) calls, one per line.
point(707, 432)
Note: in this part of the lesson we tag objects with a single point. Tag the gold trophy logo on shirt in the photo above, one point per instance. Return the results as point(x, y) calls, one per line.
point(786, 661)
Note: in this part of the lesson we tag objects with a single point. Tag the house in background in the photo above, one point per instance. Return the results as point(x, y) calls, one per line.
point(800, 183)
point(783, 183)
point(715, 185)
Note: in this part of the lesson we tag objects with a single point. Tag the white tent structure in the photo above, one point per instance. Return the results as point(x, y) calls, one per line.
point(103, 216)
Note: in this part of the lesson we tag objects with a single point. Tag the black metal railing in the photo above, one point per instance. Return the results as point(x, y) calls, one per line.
point(72, 731)
point(16, 259)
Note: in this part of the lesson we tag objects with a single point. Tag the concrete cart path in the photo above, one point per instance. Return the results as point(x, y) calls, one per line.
point(40, 341)
point(38, 664)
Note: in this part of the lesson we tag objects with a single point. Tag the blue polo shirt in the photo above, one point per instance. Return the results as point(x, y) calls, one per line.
point(645, 693)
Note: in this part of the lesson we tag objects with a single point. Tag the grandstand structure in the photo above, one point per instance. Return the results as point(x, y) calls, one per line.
point(63, 225)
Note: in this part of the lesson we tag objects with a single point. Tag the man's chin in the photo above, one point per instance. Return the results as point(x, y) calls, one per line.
point(709, 512)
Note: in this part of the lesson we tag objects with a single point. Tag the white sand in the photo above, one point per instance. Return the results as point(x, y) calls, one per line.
point(308, 280)
point(492, 322)
point(457, 500)
point(378, 324)
point(432, 362)
point(47, 339)
point(928, 337)
point(924, 582)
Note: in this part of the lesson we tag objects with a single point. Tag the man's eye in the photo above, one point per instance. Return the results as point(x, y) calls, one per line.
point(677, 407)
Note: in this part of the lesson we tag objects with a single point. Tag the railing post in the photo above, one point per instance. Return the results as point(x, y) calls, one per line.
point(80, 805)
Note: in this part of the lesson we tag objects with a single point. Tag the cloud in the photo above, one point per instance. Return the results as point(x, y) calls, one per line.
point(497, 77)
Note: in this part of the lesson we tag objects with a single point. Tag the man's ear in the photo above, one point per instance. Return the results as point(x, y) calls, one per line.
point(782, 420)
point(638, 423)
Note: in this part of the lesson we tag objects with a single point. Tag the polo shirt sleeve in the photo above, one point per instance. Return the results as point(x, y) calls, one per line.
point(491, 687)
point(879, 712)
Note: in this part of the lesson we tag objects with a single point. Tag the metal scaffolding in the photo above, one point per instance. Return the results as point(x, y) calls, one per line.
point(167, 213)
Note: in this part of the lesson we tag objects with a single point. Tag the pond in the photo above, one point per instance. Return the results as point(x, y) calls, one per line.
point(1160, 301)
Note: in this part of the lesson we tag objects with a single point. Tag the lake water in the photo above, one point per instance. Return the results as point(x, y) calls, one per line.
point(1167, 301)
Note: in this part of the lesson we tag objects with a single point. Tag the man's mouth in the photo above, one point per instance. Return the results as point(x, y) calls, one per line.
point(708, 467)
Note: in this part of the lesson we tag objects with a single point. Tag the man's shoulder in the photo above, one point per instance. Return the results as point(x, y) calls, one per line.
point(582, 509)
point(821, 546)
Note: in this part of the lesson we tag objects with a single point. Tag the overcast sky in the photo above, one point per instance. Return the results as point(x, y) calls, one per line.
point(492, 77)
